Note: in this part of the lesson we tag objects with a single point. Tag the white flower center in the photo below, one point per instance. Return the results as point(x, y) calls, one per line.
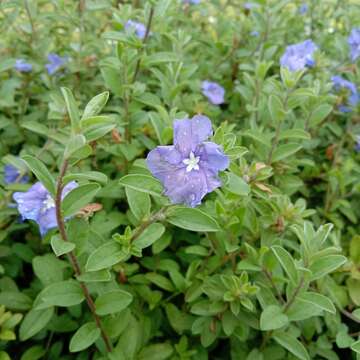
point(48, 203)
point(192, 162)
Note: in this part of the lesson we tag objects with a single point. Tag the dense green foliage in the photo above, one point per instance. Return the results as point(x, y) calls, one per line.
point(267, 267)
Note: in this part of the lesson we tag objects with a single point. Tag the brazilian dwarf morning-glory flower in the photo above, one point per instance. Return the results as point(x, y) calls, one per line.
point(298, 56)
point(38, 205)
point(193, 2)
point(137, 27)
point(349, 90)
point(354, 42)
point(213, 91)
point(13, 175)
point(303, 9)
point(357, 144)
point(189, 169)
point(55, 63)
point(22, 66)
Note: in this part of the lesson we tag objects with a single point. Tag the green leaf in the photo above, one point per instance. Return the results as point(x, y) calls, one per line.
point(94, 122)
point(82, 153)
point(95, 276)
point(36, 127)
point(273, 318)
point(88, 175)
point(95, 105)
point(325, 265)
point(287, 263)
point(78, 198)
point(63, 293)
point(356, 347)
point(292, 344)
point(142, 183)
point(48, 268)
point(84, 337)
point(113, 302)
point(276, 108)
point(105, 256)
point(155, 352)
point(191, 219)
point(75, 143)
point(139, 202)
point(149, 235)
point(294, 134)
point(321, 301)
point(15, 300)
point(33, 353)
point(319, 114)
point(61, 247)
point(34, 321)
point(237, 185)
point(41, 172)
point(160, 281)
point(72, 109)
point(284, 151)
point(97, 132)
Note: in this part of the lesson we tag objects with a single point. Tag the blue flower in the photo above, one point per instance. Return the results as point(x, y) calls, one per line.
point(137, 27)
point(22, 66)
point(255, 33)
point(193, 2)
point(351, 92)
point(298, 56)
point(249, 5)
point(213, 91)
point(189, 168)
point(303, 9)
point(38, 205)
point(357, 144)
point(13, 175)
point(354, 42)
point(55, 63)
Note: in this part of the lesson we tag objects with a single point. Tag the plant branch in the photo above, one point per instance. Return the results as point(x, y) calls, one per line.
point(72, 257)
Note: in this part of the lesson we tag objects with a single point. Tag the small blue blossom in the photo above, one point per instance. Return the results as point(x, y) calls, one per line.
point(189, 168)
point(303, 9)
point(22, 66)
point(352, 94)
point(38, 205)
point(255, 33)
point(354, 42)
point(55, 63)
point(213, 91)
point(13, 175)
point(298, 56)
point(137, 27)
point(249, 5)
point(357, 144)
point(193, 2)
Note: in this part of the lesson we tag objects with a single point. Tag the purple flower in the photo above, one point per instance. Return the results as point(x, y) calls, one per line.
point(249, 5)
point(350, 90)
point(137, 27)
point(303, 9)
point(193, 2)
point(22, 66)
point(13, 175)
point(37, 204)
point(213, 91)
point(255, 33)
point(298, 56)
point(357, 144)
point(55, 63)
point(189, 168)
point(354, 42)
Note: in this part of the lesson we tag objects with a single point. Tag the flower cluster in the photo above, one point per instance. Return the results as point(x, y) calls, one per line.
point(354, 42)
point(298, 56)
point(38, 205)
point(352, 98)
point(189, 168)
point(13, 175)
point(138, 28)
point(213, 91)
point(22, 66)
point(55, 63)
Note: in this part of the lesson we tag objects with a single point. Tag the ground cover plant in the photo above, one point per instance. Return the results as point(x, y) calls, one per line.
point(179, 179)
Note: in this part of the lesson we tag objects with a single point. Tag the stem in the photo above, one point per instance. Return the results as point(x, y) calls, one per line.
point(275, 143)
point(72, 257)
point(148, 26)
point(270, 278)
point(28, 12)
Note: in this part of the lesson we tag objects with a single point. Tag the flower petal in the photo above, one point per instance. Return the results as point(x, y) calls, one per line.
point(212, 157)
point(163, 161)
point(47, 220)
point(190, 133)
